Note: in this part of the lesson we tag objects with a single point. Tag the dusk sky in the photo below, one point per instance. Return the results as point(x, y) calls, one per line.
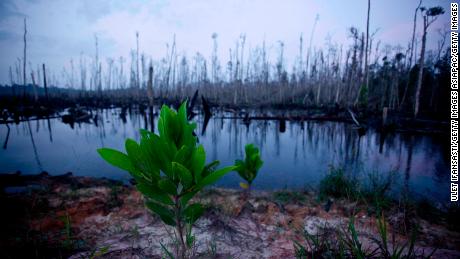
point(60, 30)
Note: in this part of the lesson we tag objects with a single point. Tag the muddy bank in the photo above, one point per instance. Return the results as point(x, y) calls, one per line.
point(80, 217)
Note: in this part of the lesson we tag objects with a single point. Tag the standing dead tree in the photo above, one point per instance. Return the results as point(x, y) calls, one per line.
point(45, 83)
point(429, 16)
point(411, 53)
point(24, 74)
point(311, 42)
point(366, 57)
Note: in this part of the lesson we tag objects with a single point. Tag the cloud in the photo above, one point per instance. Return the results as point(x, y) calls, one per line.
point(9, 36)
point(8, 9)
point(59, 30)
point(94, 10)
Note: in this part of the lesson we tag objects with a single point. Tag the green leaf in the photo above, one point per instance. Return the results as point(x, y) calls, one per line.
point(162, 153)
point(182, 113)
point(198, 162)
point(169, 254)
point(116, 158)
point(185, 198)
point(193, 212)
point(185, 176)
point(150, 158)
point(214, 177)
point(154, 193)
point(135, 155)
point(165, 214)
point(168, 186)
point(187, 138)
point(209, 168)
point(183, 156)
point(145, 133)
point(162, 120)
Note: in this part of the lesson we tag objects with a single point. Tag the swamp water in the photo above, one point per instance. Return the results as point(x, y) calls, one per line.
point(296, 155)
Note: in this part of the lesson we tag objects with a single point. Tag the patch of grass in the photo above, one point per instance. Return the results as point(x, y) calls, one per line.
point(337, 185)
point(376, 192)
point(319, 245)
point(373, 191)
point(346, 243)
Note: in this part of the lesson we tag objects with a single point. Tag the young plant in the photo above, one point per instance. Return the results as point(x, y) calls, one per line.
point(248, 168)
point(169, 170)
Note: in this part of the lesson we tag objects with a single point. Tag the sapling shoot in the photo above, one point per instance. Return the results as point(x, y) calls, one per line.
point(248, 168)
point(169, 169)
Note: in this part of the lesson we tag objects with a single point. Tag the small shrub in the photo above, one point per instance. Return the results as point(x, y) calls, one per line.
point(248, 168)
point(376, 194)
point(169, 170)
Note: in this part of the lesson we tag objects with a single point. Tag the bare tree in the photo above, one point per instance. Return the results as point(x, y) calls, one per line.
point(150, 86)
point(366, 55)
point(214, 58)
point(413, 34)
point(137, 61)
point(82, 72)
point(311, 41)
point(25, 56)
point(121, 76)
point(412, 50)
point(429, 16)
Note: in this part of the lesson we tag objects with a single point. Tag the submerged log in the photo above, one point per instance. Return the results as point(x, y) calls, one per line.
point(353, 117)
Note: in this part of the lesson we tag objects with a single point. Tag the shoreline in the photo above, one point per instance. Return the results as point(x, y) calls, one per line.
point(18, 110)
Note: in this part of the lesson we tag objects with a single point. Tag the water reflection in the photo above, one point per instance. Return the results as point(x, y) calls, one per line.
point(296, 154)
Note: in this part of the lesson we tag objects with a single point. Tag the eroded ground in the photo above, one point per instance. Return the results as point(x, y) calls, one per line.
point(80, 217)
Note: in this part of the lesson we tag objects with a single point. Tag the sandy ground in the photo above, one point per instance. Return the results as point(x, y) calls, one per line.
point(100, 217)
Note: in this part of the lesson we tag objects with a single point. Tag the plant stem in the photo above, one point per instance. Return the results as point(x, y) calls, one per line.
point(179, 227)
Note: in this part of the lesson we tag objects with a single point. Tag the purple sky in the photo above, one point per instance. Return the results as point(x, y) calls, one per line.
point(60, 30)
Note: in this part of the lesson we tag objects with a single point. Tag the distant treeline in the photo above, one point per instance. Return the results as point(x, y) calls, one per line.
point(363, 75)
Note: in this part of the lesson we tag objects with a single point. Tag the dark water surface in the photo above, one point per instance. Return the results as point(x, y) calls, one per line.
point(296, 154)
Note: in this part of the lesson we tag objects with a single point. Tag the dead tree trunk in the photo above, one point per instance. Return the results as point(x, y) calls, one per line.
point(150, 86)
point(431, 12)
point(44, 84)
point(366, 55)
point(411, 54)
point(34, 86)
point(25, 56)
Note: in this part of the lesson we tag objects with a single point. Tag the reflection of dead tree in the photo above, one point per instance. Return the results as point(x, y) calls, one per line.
point(7, 136)
point(34, 147)
point(49, 128)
